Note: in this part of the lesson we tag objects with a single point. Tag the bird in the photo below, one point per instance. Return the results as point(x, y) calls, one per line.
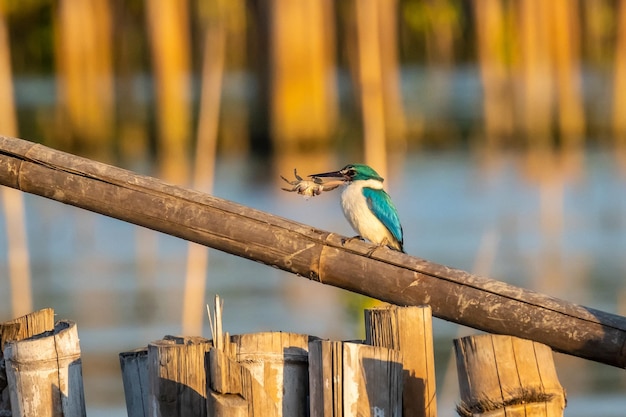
point(367, 206)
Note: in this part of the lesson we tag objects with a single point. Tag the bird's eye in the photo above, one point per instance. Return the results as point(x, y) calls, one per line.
point(351, 172)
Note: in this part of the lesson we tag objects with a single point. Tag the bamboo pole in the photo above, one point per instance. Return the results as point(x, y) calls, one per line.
point(177, 377)
point(494, 73)
point(353, 379)
point(453, 294)
point(45, 374)
point(408, 330)
point(370, 81)
point(85, 73)
point(18, 329)
point(134, 366)
point(619, 79)
point(565, 36)
point(507, 376)
point(278, 361)
point(168, 27)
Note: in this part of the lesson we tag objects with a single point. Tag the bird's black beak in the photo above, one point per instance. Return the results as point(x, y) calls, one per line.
point(333, 174)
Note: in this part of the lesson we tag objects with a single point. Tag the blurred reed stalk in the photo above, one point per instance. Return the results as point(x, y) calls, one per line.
point(377, 74)
point(565, 33)
point(12, 199)
point(498, 111)
point(370, 82)
point(537, 91)
point(537, 86)
point(84, 75)
point(298, 82)
point(168, 29)
point(619, 80)
point(204, 165)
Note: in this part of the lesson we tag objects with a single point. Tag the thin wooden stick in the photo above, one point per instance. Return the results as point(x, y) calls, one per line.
point(387, 275)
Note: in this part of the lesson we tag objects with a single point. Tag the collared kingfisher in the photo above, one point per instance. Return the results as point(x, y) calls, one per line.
point(367, 207)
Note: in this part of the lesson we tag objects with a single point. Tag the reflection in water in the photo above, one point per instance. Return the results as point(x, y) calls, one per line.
point(560, 231)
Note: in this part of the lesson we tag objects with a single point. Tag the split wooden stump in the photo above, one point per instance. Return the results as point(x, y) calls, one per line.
point(408, 330)
point(353, 379)
point(177, 377)
point(135, 378)
point(507, 376)
point(44, 373)
point(18, 329)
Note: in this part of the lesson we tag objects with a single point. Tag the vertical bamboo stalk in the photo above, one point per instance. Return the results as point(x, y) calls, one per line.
point(279, 362)
point(395, 121)
point(494, 74)
point(45, 374)
point(134, 366)
point(303, 98)
point(168, 26)
point(18, 329)
point(326, 378)
point(507, 374)
point(566, 52)
point(13, 200)
point(408, 330)
point(177, 373)
point(351, 379)
point(234, 131)
point(619, 80)
point(537, 95)
point(370, 81)
point(83, 53)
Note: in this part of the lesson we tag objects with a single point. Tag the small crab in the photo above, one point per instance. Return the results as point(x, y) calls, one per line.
point(309, 188)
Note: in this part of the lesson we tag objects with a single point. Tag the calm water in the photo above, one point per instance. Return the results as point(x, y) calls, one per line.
point(564, 236)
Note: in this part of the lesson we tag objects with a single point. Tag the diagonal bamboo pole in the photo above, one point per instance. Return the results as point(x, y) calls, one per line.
point(390, 276)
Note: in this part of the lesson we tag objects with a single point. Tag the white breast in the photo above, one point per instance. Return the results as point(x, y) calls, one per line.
point(358, 214)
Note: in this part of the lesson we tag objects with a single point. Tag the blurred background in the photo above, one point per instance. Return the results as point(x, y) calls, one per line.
point(500, 127)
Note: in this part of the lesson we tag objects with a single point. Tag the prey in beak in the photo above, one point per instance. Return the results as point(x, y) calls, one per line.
point(342, 175)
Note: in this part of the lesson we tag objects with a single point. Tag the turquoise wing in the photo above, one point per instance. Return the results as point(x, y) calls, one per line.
point(381, 205)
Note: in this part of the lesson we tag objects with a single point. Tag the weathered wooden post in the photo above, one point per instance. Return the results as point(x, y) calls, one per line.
point(45, 374)
point(134, 366)
point(18, 329)
point(352, 379)
point(178, 382)
point(279, 362)
point(409, 330)
point(505, 375)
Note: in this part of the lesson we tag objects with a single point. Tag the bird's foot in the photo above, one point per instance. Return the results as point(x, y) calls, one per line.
point(350, 239)
point(382, 244)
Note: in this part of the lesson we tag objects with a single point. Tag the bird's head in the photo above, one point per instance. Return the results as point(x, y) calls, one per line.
point(352, 172)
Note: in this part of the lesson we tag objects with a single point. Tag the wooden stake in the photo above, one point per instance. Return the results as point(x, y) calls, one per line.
point(18, 329)
point(351, 379)
point(505, 375)
point(136, 382)
point(178, 383)
point(45, 374)
point(408, 330)
point(279, 362)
